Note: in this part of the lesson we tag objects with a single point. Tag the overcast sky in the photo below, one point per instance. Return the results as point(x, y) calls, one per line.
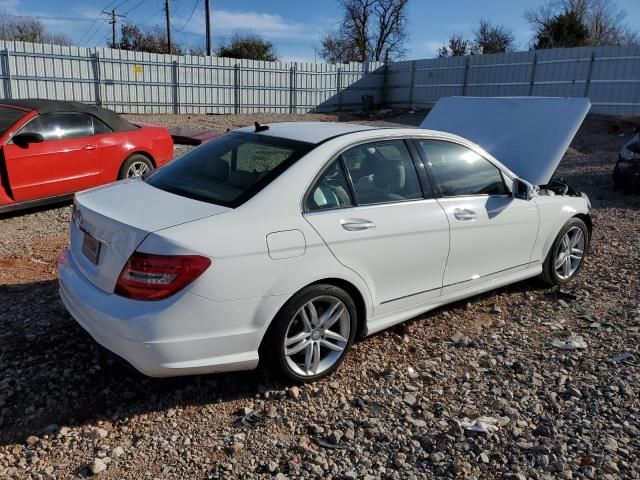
point(294, 26)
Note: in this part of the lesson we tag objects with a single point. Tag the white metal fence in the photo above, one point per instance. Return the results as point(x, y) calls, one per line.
point(139, 82)
point(609, 76)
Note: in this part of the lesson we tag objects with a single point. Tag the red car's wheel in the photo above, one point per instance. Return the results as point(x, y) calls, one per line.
point(135, 166)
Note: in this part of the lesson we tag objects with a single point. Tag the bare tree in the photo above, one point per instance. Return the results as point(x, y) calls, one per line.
point(29, 29)
point(557, 24)
point(490, 38)
point(457, 47)
point(370, 30)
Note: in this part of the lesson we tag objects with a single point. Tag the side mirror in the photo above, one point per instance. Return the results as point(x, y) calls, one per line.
point(521, 189)
point(24, 139)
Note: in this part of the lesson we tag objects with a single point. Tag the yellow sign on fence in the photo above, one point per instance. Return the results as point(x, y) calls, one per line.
point(137, 69)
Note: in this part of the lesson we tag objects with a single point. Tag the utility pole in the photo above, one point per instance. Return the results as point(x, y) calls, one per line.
point(114, 18)
point(166, 8)
point(207, 16)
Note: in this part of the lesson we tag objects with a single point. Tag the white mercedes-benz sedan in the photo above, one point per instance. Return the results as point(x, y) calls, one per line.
point(281, 243)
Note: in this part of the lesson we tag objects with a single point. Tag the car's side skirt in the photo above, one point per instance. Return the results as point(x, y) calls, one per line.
point(35, 203)
point(375, 325)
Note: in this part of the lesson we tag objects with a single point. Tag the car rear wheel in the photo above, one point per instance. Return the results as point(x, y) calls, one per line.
point(312, 334)
point(135, 166)
point(566, 256)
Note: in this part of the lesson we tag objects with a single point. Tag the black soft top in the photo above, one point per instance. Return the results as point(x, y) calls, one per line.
point(109, 117)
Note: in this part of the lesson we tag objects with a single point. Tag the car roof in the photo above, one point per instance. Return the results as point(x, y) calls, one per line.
point(43, 106)
point(310, 132)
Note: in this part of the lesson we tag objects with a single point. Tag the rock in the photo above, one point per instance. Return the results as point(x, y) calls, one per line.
point(97, 466)
point(117, 452)
point(336, 436)
point(610, 467)
point(98, 434)
point(294, 392)
point(32, 440)
point(460, 339)
point(409, 399)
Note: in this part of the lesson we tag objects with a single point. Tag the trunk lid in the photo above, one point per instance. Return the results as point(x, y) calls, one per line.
point(529, 135)
point(120, 216)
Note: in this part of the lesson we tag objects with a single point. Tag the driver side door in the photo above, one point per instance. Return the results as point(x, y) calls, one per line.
point(63, 163)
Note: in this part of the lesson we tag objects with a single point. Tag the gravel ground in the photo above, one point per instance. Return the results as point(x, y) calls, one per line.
point(396, 407)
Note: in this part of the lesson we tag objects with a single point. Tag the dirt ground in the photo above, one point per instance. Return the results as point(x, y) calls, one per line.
point(394, 408)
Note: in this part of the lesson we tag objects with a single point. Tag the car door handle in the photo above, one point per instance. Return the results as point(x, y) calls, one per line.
point(357, 224)
point(464, 214)
point(90, 147)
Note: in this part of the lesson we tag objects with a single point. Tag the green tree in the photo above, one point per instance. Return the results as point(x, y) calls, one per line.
point(457, 47)
point(250, 47)
point(563, 30)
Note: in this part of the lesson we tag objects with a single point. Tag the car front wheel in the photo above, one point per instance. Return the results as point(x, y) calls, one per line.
point(312, 333)
point(566, 256)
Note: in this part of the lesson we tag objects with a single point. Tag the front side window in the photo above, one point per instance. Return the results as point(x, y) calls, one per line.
point(64, 126)
point(229, 170)
point(331, 190)
point(382, 172)
point(458, 170)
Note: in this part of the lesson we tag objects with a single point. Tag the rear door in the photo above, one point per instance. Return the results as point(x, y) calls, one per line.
point(371, 211)
point(63, 163)
point(492, 233)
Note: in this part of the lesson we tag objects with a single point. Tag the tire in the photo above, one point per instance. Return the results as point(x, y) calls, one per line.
point(135, 163)
point(295, 323)
point(557, 270)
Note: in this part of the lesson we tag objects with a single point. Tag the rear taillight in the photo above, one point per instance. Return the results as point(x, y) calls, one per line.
point(147, 276)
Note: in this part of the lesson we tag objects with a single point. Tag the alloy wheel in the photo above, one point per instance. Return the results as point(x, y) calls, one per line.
point(136, 169)
point(570, 253)
point(317, 336)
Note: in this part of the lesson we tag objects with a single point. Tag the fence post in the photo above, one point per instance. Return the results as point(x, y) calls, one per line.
point(533, 73)
point(339, 87)
point(466, 73)
point(176, 86)
point(236, 88)
point(97, 78)
point(587, 85)
point(413, 79)
point(385, 83)
point(7, 72)
point(292, 89)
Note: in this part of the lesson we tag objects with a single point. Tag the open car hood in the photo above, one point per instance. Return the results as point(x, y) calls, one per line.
point(529, 135)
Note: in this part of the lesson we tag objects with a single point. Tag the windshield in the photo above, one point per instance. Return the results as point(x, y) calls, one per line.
point(229, 170)
point(9, 116)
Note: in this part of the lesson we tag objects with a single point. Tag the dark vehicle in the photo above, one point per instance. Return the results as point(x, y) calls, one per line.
point(626, 174)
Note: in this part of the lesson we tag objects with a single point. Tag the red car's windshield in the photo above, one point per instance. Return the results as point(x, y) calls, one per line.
point(9, 116)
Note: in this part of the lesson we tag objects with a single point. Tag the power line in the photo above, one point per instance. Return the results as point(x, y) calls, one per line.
point(95, 20)
point(195, 5)
point(134, 7)
point(46, 17)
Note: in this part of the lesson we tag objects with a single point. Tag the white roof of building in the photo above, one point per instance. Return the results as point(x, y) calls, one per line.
point(312, 132)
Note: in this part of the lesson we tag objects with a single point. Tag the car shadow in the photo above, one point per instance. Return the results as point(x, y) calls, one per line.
point(32, 210)
point(53, 374)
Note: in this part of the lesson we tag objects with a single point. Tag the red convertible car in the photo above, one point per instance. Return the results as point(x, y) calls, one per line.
point(51, 149)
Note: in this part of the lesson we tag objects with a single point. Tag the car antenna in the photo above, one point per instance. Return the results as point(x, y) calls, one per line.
point(260, 128)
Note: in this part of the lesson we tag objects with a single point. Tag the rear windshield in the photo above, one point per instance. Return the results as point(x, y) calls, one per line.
point(9, 116)
point(229, 170)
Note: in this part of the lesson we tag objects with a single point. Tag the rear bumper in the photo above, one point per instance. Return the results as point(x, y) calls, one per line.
point(183, 335)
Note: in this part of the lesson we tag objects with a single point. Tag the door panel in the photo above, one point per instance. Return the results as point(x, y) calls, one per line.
point(64, 163)
point(400, 249)
point(393, 238)
point(489, 234)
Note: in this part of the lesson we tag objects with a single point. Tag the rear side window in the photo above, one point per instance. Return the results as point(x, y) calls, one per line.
point(229, 170)
point(331, 190)
point(458, 170)
point(382, 172)
point(62, 126)
point(99, 126)
point(9, 116)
